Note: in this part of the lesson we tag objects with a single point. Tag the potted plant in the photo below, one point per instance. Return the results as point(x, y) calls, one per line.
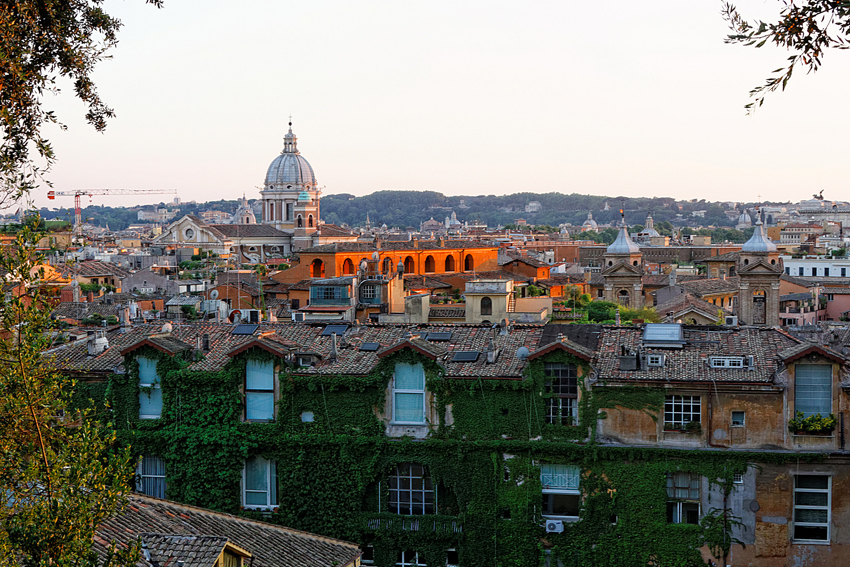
point(812, 425)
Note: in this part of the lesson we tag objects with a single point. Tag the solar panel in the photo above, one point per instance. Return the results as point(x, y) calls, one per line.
point(370, 347)
point(465, 356)
point(331, 329)
point(244, 329)
point(439, 336)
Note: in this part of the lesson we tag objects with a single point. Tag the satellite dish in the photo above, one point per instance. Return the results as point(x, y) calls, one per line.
point(102, 289)
point(214, 294)
point(376, 256)
point(167, 328)
point(522, 353)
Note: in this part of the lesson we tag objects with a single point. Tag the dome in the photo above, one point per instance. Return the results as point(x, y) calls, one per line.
point(590, 223)
point(303, 196)
point(623, 244)
point(290, 167)
point(759, 242)
point(745, 218)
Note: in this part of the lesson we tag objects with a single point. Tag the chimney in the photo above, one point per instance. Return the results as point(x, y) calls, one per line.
point(672, 281)
point(96, 343)
point(205, 342)
point(333, 354)
point(617, 317)
point(90, 297)
point(377, 243)
point(442, 242)
point(76, 288)
point(416, 243)
point(492, 352)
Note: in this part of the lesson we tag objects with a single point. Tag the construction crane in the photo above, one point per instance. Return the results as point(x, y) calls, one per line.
point(78, 221)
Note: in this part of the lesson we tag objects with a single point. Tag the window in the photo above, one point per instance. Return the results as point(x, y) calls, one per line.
point(486, 306)
point(738, 419)
point(369, 292)
point(800, 271)
point(409, 393)
point(150, 393)
point(826, 272)
point(679, 411)
point(655, 360)
point(412, 491)
point(738, 478)
point(683, 491)
point(562, 408)
point(260, 481)
point(814, 271)
point(843, 272)
point(812, 504)
point(813, 389)
point(259, 390)
point(295, 304)
point(561, 495)
point(727, 361)
point(150, 476)
point(307, 417)
point(409, 558)
point(788, 271)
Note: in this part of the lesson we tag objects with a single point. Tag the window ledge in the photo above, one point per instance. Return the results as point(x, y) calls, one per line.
point(810, 542)
point(562, 518)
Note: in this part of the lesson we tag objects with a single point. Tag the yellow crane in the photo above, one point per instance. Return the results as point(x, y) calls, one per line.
point(78, 193)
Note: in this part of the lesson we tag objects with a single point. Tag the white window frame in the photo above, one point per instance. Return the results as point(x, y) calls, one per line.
point(369, 291)
point(249, 392)
point(422, 392)
point(140, 477)
point(737, 478)
point(412, 561)
point(727, 362)
point(154, 385)
point(560, 479)
point(680, 501)
point(271, 481)
point(676, 400)
point(828, 508)
point(656, 360)
point(561, 406)
point(428, 487)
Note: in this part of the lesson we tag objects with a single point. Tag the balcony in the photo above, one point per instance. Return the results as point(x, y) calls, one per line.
point(376, 522)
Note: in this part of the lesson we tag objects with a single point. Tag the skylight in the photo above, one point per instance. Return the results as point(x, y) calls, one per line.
point(339, 330)
point(370, 347)
point(244, 329)
point(439, 336)
point(465, 356)
point(663, 335)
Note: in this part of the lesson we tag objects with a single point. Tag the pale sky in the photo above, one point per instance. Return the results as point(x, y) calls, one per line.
point(461, 97)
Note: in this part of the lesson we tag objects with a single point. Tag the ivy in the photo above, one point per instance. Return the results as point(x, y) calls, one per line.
point(484, 456)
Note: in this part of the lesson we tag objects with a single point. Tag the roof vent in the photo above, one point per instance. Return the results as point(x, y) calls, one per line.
point(97, 343)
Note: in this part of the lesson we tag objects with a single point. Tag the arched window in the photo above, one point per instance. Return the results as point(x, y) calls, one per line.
point(486, 306)
point(348, 267)
point(317, 269)
point(429, 264)
point(623, 297)
point(310, 221)
point(388, 266)
point(450, 263)
point(300, 221)
point(468, 263)
point(409, 265)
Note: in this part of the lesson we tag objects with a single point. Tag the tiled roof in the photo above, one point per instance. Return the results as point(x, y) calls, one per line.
point(162, 342)
point(683, 303)
point(727, 257)
point(73, 357)
point(184, 300)
point(413, 281)
point(248, 230)
point(333, 230)
point(691, 363)
point(804, 282)
point(798, 351)
point(711, 286)
point(92, 268)
point(190, 550)
point(836, 290)
point(585, 335)
point(447, 311)
point(82, 310)
point(534, 262)
point(801, 296)
point(269, 545)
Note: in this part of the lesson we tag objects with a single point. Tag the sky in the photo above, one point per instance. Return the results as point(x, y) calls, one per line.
point(461, 97)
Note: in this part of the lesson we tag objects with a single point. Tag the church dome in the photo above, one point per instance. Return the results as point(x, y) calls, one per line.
point(759, 242)
point(590, 223)
point(290, 167)
point(745, 218)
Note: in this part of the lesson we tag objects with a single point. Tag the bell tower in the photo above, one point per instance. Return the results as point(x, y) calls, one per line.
point(759, 273)
point(623, 269)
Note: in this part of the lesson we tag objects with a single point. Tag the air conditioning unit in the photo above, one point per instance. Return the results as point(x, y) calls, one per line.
point(731, 321)
point(554, 526)
point(298, 317)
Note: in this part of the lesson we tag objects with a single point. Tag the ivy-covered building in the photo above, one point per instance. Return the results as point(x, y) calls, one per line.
point(489, 445)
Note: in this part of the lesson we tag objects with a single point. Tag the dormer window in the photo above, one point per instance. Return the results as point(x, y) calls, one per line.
point(409, 394)
point(150, 393)
point(727, 362)
point(656, 360)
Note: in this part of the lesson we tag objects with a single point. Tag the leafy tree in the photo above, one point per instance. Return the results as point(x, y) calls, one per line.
point(807, 28)
point(59, 474)
point(599, 311)
point(42, 40)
